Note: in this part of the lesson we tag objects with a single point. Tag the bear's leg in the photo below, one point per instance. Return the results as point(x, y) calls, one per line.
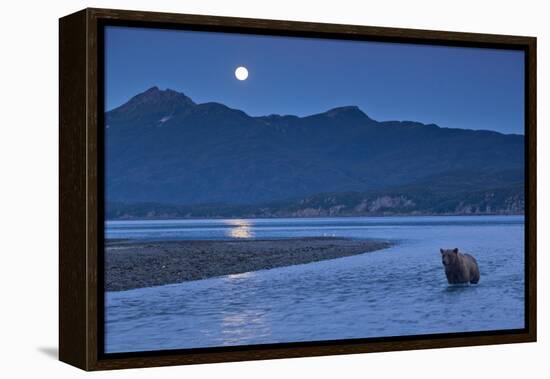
point(475, 277)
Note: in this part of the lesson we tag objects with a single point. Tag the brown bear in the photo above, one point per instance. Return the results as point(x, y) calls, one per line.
point(459, 268)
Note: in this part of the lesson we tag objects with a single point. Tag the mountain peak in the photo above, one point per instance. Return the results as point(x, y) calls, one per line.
point(152, 90)
point(156, 98)
point(156, 95)
point(346, 111)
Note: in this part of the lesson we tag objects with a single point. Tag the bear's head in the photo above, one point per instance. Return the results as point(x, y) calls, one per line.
point(449, 256)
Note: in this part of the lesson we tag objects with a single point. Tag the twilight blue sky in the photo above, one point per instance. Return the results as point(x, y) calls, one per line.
point(468, 88)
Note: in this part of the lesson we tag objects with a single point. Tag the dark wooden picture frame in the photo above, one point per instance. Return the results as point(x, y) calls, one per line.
point(81, 182)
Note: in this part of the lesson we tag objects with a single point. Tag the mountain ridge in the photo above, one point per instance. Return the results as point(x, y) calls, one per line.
point(343, 109)
point(162, 147)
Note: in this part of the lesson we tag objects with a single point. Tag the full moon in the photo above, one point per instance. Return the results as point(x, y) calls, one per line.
point(241, 73)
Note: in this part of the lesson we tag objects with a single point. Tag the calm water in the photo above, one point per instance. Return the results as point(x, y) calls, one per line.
point(394, 292)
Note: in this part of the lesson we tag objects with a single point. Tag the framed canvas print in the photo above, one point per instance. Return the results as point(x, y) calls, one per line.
point(237, 189)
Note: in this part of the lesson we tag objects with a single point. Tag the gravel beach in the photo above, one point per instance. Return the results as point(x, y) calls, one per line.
point(131, 265)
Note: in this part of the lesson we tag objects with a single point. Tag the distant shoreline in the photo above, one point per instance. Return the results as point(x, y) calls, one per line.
point(312, 217)
point(130, 264)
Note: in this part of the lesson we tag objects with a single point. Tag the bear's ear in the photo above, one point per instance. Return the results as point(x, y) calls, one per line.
point(455, 250)
point(442, 251)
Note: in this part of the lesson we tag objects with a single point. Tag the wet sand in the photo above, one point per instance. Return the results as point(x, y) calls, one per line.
point(131, 265)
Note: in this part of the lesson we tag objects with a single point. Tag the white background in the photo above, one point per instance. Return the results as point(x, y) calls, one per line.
point(29, 184)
